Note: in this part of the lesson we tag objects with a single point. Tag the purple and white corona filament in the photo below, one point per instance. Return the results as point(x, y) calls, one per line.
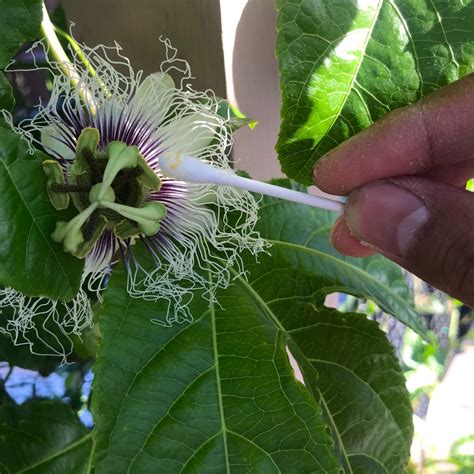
point(105, 133)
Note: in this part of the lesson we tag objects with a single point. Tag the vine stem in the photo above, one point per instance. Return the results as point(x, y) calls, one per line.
point(77, 49)
point(56, 49)
point(61, 57)
point(80, 54)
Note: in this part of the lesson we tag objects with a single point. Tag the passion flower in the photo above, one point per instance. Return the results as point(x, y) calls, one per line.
point(105, 132)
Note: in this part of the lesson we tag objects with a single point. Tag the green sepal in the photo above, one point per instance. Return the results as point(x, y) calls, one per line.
point(86, 246)
point(80, 171)
point(52, 169)
point(149, 178)
point(88, 140)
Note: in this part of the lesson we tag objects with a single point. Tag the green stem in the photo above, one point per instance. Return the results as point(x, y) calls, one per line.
point(85, 61)
point(56, 49)
point(58, 53)
point(77, 49)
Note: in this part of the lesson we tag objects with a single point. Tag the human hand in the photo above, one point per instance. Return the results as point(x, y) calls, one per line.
point(405, 177)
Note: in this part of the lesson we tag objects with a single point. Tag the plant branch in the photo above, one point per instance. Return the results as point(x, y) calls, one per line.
point(77, 49)
point(62, 59)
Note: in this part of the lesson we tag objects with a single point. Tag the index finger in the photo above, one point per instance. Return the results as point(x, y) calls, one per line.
point(436, 131)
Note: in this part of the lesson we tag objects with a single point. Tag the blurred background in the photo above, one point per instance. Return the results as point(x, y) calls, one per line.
point(230, 46)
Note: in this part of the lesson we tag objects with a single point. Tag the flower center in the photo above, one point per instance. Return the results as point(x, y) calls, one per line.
point(108, 189)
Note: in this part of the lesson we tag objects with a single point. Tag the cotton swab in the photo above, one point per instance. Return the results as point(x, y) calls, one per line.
point(193, 170)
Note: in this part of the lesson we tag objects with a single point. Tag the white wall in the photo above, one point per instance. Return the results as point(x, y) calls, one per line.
point(252, 80)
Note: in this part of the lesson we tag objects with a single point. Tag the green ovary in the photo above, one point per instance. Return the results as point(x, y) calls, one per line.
point(101, 196)
point(108, 190)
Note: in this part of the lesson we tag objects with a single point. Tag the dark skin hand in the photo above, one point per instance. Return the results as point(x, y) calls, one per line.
point(405, 177)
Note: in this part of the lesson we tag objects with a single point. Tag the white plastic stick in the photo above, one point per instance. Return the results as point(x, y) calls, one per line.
point(193, 170)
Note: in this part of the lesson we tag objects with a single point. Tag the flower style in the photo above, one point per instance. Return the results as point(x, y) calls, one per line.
point(105, 132)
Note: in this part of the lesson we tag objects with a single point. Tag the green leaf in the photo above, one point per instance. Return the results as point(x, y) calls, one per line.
point(235, 118)
point(351, 368)
point(214, 395)
point(218, 394)
point(43, 437)
point(20, 22)
point(6, 94)
point(30, 261)
point(345, 64)
point(304, 267)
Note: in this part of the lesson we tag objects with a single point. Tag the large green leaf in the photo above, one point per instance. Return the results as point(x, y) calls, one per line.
point(215, 395)
point(344, 64)
point(351, 368)
point(30, 261)
point(6, 93)
point(218, 394)
point(43, 437)
point(20, 21)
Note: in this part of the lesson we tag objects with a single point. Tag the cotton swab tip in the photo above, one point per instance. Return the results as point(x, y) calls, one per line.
point(187, 168)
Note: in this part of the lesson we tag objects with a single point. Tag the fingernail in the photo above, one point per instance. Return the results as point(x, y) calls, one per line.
point(321, 162)
point(386, 217)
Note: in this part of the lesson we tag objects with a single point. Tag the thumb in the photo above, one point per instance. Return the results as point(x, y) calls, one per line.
point(425, 226)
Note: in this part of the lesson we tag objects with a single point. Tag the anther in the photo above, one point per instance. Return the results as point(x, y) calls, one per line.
point(90, 160)
point(69, 188)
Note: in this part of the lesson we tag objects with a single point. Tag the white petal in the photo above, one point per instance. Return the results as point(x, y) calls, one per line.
point(191, 135)
point(53, 142)
point(154, 96)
